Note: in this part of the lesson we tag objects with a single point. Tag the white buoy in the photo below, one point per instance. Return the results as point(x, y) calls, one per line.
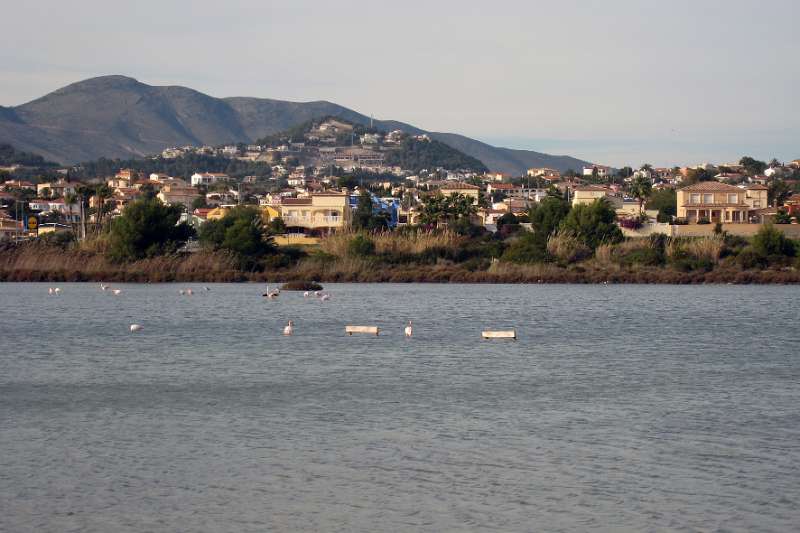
point(136, 327)
point(409, 329)
point(289, 329)
point(502, 334)
point(369, 330)
point(117, 292)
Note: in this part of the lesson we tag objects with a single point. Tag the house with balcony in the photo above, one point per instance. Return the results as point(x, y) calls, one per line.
point(600, 171)
point(720, 202)
point(208, 178)
point(318, 213)
point(57, 189)
point(466, 189)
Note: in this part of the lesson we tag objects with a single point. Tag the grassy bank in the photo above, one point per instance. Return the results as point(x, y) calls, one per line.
point(396, 259)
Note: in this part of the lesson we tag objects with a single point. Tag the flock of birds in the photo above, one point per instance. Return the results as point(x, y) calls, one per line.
point(271, 294)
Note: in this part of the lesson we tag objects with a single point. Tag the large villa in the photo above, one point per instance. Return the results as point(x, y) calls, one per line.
point(720, 202)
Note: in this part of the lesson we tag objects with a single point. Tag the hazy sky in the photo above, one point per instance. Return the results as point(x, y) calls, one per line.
point(617, 81)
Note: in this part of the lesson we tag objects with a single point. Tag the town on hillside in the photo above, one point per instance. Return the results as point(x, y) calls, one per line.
point(313, 177)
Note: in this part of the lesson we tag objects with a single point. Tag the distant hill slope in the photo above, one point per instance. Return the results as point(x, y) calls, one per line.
point(118, 116)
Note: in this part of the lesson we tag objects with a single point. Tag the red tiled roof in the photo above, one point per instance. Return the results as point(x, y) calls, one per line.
point(711, 186)
point(459, 186)
point(595, 188)
point(296, 201)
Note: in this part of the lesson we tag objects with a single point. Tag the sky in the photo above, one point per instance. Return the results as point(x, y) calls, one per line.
point(619, 82)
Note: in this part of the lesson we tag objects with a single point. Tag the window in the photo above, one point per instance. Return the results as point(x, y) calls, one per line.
point(694, 199)
point(756, 204)
point(733, 198)
point(708, 198)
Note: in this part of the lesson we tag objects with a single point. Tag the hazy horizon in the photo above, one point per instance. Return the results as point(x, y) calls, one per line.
point(622, 84)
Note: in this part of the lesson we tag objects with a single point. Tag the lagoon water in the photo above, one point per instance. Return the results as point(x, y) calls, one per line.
point(619, 408)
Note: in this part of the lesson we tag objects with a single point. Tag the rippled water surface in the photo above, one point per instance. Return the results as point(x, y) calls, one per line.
point(619, 408)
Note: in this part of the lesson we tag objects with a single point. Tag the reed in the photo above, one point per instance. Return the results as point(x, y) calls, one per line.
point(393, 242)
point(567, 247)
point(701, 248)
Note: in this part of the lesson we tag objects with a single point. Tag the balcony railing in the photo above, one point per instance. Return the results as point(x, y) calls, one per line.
point(318, 220)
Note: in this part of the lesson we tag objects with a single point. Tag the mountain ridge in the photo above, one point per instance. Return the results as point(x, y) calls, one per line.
point(119, 116)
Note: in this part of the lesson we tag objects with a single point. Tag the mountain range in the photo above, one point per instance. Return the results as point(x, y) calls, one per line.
point(120, 117)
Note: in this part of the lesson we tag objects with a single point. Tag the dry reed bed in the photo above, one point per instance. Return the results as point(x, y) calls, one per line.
point(35, 262)
point(388, 242)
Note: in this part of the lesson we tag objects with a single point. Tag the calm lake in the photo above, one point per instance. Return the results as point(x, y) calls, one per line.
point(619, 408)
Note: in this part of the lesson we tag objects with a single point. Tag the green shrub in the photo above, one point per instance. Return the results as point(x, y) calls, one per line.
point(527, 248)
point(361, 246)
point(147, 228)
point(771, 241)
point(750, 259)
point(592, 224)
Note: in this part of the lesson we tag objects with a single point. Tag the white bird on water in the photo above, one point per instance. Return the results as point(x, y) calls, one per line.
point(117, 292)
point(272, 294)
point(189, 292)
point(103, 286)
point(409, 329)
point(289, 329)
point(306, 294)
point(136, 327)
point(50, 291)
point(181, 292)
point(324, 297)
point(57, 290)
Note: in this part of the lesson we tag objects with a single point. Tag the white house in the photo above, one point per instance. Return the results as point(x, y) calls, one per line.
point(207, 178)
point(602, 171)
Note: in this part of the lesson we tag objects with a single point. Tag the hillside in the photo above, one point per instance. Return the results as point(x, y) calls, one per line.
point(118, 116)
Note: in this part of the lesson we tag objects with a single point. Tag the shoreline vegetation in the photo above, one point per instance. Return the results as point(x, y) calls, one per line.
point(38, 261)
point(580, 244)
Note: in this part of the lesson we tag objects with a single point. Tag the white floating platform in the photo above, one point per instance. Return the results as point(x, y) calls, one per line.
point(507, 334)
point(369, 330)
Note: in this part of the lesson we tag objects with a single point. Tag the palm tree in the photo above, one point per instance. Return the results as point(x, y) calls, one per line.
point(641, 188)
point(69, 200)
point(101, 192)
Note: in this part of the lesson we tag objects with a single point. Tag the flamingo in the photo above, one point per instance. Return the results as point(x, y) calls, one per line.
point(409, 330)
point(289, 329)
point(136, 327)
point(271, 294)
